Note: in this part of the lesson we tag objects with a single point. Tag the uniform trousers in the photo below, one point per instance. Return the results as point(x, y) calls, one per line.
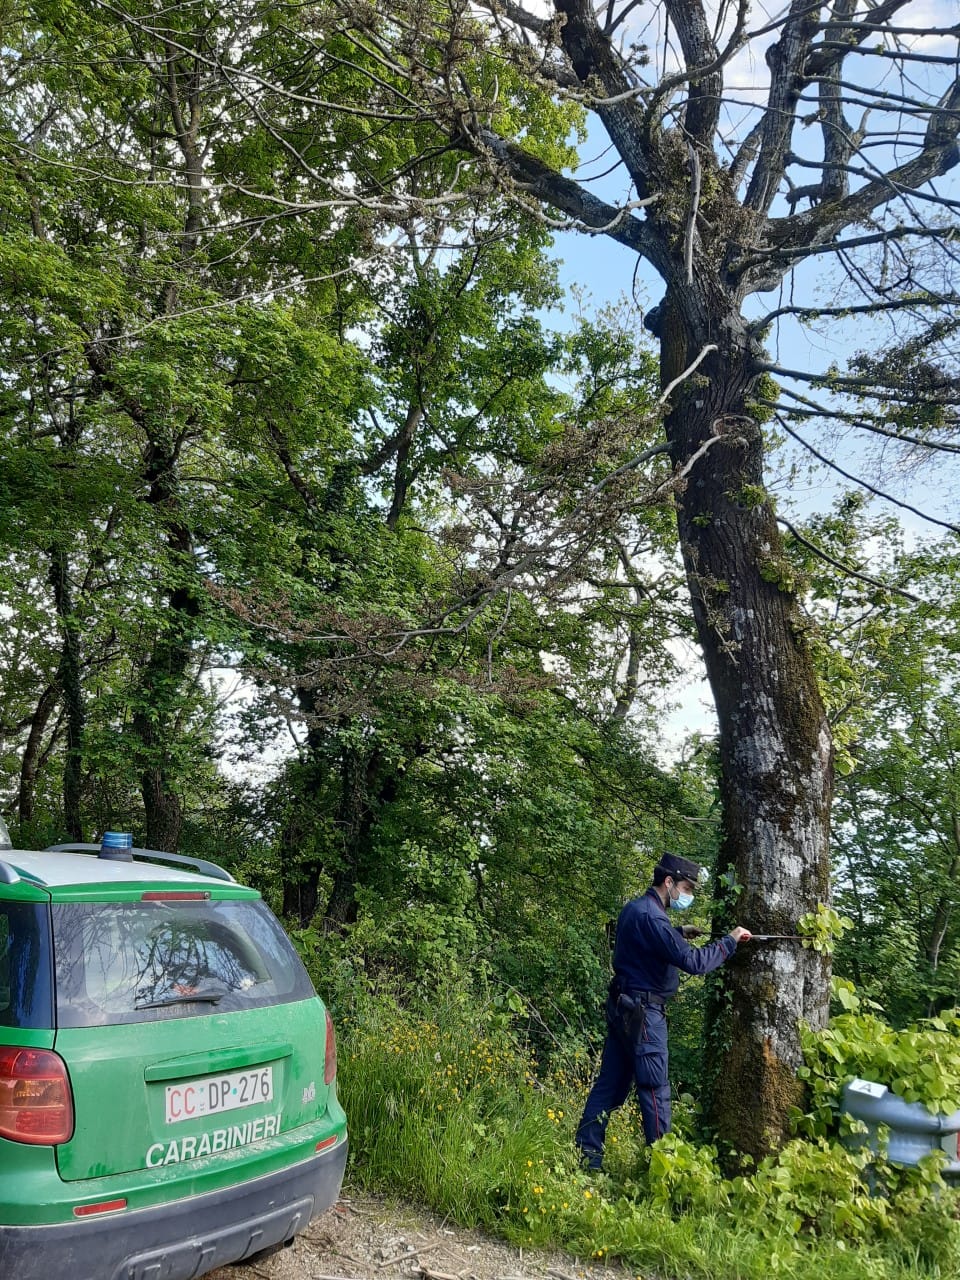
point(634, 1055)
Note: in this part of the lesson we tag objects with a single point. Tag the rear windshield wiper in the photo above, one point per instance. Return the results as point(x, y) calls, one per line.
point(195, 997)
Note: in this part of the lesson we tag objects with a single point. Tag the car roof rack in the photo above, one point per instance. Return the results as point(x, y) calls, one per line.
point(157, 855)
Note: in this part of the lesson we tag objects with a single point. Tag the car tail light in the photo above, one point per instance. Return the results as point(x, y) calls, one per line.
point(36, 1105)
point(330, 1054)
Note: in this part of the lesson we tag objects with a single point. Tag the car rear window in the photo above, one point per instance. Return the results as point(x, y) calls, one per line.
point(26, 973)
point(121, 962)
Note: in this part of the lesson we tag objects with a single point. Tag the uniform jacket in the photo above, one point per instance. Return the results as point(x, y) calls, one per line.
point(650, 952)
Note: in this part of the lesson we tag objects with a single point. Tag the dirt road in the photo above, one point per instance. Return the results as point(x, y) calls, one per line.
point(366, 1239)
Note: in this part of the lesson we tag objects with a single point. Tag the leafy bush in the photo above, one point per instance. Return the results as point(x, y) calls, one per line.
point(920, 1063)
point(448, 1105)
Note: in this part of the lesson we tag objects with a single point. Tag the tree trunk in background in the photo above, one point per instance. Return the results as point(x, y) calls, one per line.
point(159, 694)
point(301, 891)
point(30, 764)
point(300, 875)
point(942, 910)
point(71, 687)
point(775, 743)
point(355, 795)
point(365, 789)
point(353, 824)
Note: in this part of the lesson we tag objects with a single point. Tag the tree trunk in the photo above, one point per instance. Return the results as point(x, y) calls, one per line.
point(300, 875)
point(364, 789)
point(70, 683)
point(348, 863)
point(159, 696)
point(300, 881)
point(944, 907)
point(775, 743)
point(162, 809)
point(30, 764)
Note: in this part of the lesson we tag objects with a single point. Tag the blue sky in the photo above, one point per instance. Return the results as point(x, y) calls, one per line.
point(927, 30)
point(606, 271)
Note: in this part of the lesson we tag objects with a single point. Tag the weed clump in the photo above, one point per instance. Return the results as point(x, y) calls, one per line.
point(453, 1109)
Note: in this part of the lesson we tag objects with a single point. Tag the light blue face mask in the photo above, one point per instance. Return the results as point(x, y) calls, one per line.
point(682, 901)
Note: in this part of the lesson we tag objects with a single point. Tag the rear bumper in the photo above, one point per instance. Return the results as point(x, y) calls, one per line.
point(181, 1240)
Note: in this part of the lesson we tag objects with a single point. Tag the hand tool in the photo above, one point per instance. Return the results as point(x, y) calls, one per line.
point(775, 937)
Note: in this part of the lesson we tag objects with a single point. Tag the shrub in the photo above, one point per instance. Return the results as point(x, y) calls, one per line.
point(921, 1063)
point(448, 1105)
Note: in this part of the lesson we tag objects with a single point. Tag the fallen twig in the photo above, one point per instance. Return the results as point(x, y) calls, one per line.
point(348, 1257)
point(413, 1251)
point(349, 1205)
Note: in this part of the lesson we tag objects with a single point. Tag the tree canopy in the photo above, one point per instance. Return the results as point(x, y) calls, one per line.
point(284, 395)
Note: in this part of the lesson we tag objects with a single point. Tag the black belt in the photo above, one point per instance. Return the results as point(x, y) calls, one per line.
point(643, 998)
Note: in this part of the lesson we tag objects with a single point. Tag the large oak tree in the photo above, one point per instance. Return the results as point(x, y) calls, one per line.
point(832, 154)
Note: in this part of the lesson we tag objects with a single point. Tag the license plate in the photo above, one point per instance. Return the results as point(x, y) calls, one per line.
point(193, 1098)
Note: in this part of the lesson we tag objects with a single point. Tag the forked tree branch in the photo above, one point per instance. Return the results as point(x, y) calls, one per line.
point(863, 484)
point(847, 569)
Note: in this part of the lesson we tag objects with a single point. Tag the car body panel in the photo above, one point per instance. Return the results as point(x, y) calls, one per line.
point(34, 1195)
point(65, 873)
point(25, 891)
point(204, 1130)
point(182, 1237)
point(122, 1074)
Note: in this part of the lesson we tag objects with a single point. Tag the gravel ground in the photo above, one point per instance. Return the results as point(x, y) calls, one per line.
point(361, 1238)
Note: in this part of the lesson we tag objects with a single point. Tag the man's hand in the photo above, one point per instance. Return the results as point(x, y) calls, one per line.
point(739, 934)
point(691, 931)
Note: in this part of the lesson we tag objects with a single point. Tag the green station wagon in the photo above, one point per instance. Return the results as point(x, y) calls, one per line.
point(167, 1072)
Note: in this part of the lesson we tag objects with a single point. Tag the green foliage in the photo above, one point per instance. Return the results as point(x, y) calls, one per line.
point(448, 1106)
point(763, 399)
point(889, 676)
point(513, 882)
point(752, 495)
point(821, 929)
point(207, 406)
point(920, 1063)
point(335, 447)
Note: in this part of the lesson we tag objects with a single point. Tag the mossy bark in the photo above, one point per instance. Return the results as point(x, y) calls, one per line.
point(775, 743)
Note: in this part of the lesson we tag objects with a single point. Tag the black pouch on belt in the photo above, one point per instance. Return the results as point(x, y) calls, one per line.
point(633, 1017)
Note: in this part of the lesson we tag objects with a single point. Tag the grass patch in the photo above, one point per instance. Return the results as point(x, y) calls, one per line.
point(451, 1111)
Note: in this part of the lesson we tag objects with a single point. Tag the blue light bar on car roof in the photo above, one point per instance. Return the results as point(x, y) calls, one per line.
point(117, 846)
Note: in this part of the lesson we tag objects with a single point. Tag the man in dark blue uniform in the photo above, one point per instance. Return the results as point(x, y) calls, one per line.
point(648, 954)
